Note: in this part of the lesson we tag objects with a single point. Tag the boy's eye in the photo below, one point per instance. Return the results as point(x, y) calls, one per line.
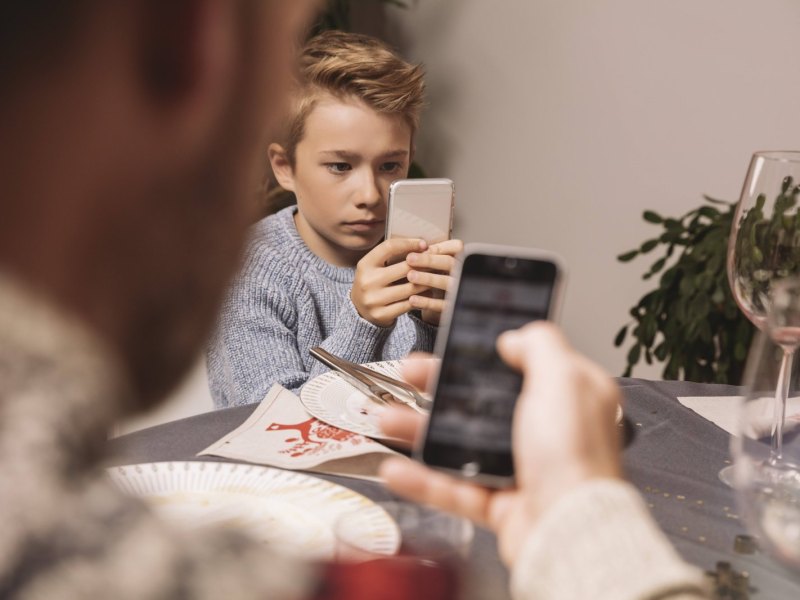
point(338, 167)
point(391, 167)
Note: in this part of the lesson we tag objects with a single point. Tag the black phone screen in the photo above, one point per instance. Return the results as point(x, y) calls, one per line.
point(470, 423)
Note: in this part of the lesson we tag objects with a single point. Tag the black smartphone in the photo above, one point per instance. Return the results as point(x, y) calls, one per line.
point(498, 288)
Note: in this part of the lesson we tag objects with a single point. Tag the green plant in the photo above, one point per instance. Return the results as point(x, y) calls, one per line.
point(690, 321)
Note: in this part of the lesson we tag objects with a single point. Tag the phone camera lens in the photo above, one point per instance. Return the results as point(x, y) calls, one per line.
point(511, 263)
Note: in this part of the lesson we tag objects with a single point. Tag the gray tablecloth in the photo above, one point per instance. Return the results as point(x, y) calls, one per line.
point(673, 456)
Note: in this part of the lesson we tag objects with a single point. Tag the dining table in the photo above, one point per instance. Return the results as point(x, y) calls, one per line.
point(670, 453)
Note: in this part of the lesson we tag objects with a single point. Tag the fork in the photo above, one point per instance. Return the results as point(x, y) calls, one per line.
point(378, 386)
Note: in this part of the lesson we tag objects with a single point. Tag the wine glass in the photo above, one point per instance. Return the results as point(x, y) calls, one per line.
point(766, 462)
point(763, 249)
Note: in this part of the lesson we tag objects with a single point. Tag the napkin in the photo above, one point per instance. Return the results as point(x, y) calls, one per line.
point(281, 433)
point(723, 411)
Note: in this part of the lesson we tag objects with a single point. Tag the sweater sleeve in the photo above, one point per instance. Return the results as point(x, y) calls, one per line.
point(425, 338)
point(601, 542)
point(354, 338)
point(255, 345)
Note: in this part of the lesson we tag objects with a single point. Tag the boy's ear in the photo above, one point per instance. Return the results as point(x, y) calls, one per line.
point(281, 166)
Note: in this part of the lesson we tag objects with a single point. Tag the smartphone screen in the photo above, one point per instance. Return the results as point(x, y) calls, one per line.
point(470, 424)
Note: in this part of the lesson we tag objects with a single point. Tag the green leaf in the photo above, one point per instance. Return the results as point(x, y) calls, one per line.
point(652, 217)
point(658, 265)
point(648, 246)
point(628, 256)
point(620, 337)
point(634, 354)
point(715, 201)
point(708, 211)
point(668, 278)
point(686, 287)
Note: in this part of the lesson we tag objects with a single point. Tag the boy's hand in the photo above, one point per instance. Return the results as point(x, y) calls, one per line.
point(376, 293)
point(432, 269)
point(563, 435)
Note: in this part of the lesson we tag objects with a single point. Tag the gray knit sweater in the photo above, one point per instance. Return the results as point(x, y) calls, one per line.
point(285, 301)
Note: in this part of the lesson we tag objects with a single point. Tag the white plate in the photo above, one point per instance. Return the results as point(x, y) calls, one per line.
point(292, 512)
point(332, 400)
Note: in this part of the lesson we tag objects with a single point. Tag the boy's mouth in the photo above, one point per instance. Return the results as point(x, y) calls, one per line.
point(364, 224)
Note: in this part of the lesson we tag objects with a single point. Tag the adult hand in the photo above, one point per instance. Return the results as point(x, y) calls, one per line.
point(432, 269)
point(564, 434)
point(381, 293)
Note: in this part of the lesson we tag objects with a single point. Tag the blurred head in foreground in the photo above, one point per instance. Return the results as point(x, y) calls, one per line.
point(130, 135)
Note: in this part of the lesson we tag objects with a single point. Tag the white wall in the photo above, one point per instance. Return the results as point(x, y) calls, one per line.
point(562, 120)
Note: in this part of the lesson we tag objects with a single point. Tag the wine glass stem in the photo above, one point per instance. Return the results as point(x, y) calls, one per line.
point(779, 413)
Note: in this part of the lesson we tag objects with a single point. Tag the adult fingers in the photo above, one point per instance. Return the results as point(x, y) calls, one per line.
point(539, 345)
point(402, 424)
point(421, 484)
point(418, 369)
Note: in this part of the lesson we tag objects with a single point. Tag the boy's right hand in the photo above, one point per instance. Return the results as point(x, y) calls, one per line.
point(376, 293)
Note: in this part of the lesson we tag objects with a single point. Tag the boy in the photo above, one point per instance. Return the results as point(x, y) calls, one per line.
point(315, 274)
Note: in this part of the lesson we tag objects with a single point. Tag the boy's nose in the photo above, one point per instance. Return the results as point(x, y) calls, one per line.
point(370, 193)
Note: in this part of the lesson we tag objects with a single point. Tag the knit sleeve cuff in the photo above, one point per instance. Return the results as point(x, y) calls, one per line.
point(356, 339)
point(600, 542)
point(425, 333)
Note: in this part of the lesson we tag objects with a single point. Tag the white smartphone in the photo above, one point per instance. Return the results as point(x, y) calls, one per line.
point(420, 208)
point(497, 288)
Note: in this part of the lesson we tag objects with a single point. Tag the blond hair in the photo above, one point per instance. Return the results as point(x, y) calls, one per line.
point(353, 66)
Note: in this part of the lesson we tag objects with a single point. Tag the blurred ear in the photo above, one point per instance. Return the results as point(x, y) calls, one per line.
point(188, 54)
point(281, 166)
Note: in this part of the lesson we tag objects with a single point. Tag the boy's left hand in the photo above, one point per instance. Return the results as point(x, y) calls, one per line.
point(432, 269)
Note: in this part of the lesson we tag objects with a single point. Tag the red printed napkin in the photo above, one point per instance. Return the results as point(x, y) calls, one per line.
point(281, 433)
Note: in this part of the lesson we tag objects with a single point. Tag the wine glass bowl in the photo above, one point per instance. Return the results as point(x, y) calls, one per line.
point(764, 245)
